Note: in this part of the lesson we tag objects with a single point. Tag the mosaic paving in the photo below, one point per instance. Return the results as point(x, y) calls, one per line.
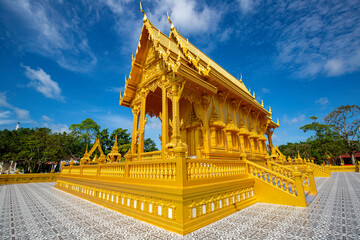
point(39, 211)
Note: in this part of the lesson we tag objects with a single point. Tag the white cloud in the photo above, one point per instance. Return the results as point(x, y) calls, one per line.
point(154, 123)
point(3, 101)
point(59, 128)
point(5, 114)
point(188, 16)
point(51, 30)
point(21, 114)
point(265, 90)
point(113, 120)
point(115, 89)
point(319, 37)
point(322, 101)
point(295, 120)
point(43, 83)
point(46, 118)
point(247, 5)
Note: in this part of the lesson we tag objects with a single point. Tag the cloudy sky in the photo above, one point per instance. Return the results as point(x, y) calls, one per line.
point(64, 61)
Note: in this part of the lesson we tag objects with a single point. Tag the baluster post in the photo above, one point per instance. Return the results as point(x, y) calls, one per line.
point(299, 186)
point(310, 173)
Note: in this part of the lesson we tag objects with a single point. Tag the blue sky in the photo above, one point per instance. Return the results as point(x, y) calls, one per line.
point(64, 61)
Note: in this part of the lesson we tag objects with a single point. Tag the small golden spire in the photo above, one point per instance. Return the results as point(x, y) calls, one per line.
point(278, 123)
point(172, 25)
point(253, 94)
point(269, 109)
point(126, 80)
point(145, 17)
point(86, 150)
point(262, 103)
point(240, 77)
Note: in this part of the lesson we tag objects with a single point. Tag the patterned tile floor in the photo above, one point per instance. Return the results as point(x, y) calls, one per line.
point(39, 211)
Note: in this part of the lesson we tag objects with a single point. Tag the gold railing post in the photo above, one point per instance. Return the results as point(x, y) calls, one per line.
point(98, 169)
point(181, 170)
point(310, 173)
point(268, 162)
point(299, 186)
point(328, 170)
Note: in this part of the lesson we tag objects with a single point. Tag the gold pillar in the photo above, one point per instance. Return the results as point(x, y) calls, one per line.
point(143, 95)
point(165, 121)
point(176, 93)
point(135, 111)
point(213, 137)
point(229, 141)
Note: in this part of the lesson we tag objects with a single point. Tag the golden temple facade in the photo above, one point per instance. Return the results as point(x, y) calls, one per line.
point(204, 110)
point(213, 159)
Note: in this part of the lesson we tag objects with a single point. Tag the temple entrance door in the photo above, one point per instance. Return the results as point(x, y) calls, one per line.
point(192, 141)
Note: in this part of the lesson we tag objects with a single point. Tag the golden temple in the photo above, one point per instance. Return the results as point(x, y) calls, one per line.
point(213, 159)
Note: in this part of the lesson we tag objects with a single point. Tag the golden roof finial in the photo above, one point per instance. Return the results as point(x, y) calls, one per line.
point(262, 103)
point(240, 77)
point(86, 150)
point(278, 123)
point(172, 25)
point(269, 109)
point(253, 94)
point(145, 17)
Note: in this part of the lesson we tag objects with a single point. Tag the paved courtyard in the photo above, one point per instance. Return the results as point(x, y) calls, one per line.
point(39, 211)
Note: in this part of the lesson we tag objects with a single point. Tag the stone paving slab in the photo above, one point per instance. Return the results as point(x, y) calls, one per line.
point(39, 211)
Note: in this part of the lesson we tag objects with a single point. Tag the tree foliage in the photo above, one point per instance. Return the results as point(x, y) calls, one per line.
point(87, 130)
point(339, 134)
point(32, 149)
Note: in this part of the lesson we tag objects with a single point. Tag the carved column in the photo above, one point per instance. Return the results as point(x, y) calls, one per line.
point(176, 90)
point(206, 105)
point(135, 111)
point(165, 121)
point(143, 95)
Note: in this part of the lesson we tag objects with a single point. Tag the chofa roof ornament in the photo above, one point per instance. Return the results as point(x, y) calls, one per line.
point(145, 17)
point(172, 25)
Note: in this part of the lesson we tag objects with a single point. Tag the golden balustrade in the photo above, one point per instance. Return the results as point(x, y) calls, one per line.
point(207, 169)
point(27, 178)
point(112, 170)
point(285, 171)
point(320, 171)
point(153, 169)
point(284, 183)
point(353, 168)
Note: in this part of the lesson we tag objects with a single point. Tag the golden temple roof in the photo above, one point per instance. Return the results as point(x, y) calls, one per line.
point(184, 59)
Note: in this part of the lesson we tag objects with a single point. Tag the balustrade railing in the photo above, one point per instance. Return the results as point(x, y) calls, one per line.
point(152, 169)
point(281, 169)
point(116, 170)
point(353, 168)
point(320, 171)
point(207, 168)
point(284, 183)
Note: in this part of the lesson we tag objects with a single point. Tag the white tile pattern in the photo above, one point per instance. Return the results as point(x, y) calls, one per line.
point(39, 211)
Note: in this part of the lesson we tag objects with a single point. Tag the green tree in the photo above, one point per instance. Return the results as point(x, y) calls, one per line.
point(105, 141)
point(123, 139)
point(87, 130)
point(325, 143)
point(149, 145)
point(345, 121)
